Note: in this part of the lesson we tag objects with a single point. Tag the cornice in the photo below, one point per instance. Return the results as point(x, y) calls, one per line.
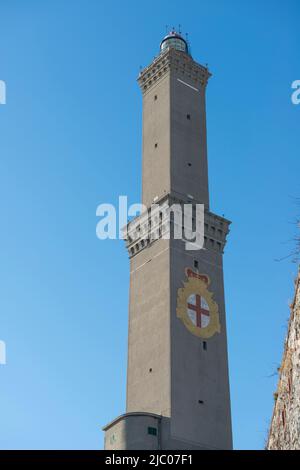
point(173, 61)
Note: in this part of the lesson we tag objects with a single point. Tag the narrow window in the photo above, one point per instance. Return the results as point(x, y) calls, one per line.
point(156, 145)
point(155, 97)
point(188, 116)
point(196, 264)
point(205, 345)
point(152, 431)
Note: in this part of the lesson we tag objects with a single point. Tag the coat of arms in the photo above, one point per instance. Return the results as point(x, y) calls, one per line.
point(196, 307)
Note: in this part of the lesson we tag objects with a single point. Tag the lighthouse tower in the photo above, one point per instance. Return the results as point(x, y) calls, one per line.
point(177, 376)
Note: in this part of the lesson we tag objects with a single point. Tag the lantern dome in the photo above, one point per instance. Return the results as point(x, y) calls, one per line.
point(174, 40)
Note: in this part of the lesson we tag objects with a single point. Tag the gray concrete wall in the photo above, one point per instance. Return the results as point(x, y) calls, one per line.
point(182, 372)
point(199, 374)
point(174, 147)
point(149, 367)
point(188, 138)
point(156, 131)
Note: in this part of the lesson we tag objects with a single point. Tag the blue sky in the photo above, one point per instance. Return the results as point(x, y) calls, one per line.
point(70, 138)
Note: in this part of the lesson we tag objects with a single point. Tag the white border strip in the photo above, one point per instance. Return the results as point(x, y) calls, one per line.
point(190, 86)
point(146, 262)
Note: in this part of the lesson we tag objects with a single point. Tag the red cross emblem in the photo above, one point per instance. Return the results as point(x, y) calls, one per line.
point(198, 310)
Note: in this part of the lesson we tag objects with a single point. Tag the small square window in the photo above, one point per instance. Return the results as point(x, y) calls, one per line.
point(152, 431)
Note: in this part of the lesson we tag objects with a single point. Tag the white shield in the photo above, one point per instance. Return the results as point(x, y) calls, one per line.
point(198, 310)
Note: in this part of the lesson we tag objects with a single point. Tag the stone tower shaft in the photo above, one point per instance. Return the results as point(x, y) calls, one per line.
point(177, 375)
point(174, 127)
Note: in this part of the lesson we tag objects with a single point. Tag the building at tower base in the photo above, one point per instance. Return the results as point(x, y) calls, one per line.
point(144, 431)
